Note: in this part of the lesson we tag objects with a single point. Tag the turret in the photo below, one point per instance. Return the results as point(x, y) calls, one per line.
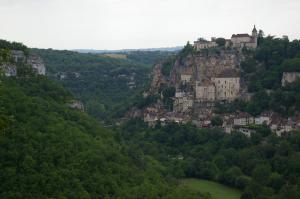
point(254, 32)
point(254, 36)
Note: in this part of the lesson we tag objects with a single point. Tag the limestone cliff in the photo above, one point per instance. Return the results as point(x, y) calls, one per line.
point(200, 66)
point(157, 78)
point(18, 57)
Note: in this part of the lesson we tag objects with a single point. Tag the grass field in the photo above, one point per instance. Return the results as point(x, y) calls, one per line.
point(116, 56)
point(217, 191)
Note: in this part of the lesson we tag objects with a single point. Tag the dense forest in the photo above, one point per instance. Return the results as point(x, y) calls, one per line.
point(107, 86)
point(263, 72)
point(263, 166)
point(49, 150)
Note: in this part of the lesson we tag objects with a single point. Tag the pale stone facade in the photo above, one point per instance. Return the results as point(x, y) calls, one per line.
point(289, 77)
point(182, 104)
point(203, 44)
point(245, 40)
point(227, 88)
point(185, 78)
point(243, 119)
point(236, 41)
point(205, 92)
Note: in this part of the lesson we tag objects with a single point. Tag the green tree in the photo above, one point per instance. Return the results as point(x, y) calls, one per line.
point(220, 41)
point(217, 121)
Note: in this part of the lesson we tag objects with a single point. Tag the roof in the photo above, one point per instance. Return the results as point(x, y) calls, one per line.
point(206, 83)
point(229, 73)
point(241, 35)
point(202, 41)
point(242, 115)
point(188, 71)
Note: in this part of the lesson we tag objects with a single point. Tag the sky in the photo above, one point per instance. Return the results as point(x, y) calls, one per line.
point(127, 24)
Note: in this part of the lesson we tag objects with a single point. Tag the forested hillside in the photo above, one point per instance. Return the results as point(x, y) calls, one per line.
point(107, 86)
point(49, 150)
point(263, 166)
point(262, 72)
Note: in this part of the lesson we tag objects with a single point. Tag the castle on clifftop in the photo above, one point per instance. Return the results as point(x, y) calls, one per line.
point(236, 41)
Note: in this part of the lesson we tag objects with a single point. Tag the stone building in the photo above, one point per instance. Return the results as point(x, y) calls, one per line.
point(205, 91)
point(244, 40)
point(186, 75)
point(289, 77)
point(227, 85)
point(203, 44)
point(182, 104)
point(236, 41)
point(243, 119)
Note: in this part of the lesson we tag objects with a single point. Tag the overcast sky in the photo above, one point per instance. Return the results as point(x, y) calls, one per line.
point(119, 24)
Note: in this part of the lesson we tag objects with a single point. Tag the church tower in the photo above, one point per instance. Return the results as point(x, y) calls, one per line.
point(254, 36)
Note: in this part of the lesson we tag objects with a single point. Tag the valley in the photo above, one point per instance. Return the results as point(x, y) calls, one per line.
point(99, 126)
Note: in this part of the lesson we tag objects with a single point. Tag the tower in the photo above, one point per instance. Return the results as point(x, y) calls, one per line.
point(254, 32)
point(254, 36)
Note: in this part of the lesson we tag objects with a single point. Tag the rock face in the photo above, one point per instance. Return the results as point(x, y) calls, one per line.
point(205, 65)
point(157, 78)
point(200, 79)
point(9, 69)
point(18, 57)
point(75, 104)
point(289, 77)
point(205, 75)
point(37, 64)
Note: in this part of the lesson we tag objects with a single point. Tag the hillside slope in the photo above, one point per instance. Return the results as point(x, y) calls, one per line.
point(48, 150)
point(107, 86)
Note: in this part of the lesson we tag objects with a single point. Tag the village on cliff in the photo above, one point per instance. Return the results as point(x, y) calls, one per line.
point(205, 79)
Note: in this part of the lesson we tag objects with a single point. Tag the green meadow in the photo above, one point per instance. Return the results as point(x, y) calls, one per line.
point(216, 190)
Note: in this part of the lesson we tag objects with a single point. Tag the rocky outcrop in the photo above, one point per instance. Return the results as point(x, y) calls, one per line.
point(205, 65)
point(289, 77)
point(37, 64)
point(18, 57)
point(157, 79)
point(8, 69)
point(197, 68)
point(76, 104)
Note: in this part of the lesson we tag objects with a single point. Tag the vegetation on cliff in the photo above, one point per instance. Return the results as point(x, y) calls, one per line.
point(106, 86)
point(263, 72)
point(48, 150)
point(263, 166)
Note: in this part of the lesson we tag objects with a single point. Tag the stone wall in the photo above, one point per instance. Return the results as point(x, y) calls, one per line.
point(205, 92)
point(227, 88)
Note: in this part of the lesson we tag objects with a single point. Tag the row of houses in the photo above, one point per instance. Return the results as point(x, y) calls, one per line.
point(154, 115)
point(274, 121)
point(241, 121)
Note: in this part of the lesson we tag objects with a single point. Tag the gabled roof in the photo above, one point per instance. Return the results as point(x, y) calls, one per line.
point(240, 35)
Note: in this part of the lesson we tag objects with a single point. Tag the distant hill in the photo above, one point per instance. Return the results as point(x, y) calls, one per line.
point(170, 49)
point(107, 86)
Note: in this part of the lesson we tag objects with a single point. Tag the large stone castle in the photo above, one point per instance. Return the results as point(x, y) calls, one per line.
point(237, 41)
